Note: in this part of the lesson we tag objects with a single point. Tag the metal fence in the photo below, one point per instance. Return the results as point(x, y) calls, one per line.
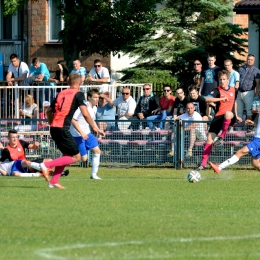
point(131, 143)
point(12, 97)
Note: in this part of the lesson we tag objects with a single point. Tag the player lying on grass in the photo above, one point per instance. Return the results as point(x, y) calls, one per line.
point(226, 115)
point(21, 168)
point(16, 150)
point(85, 139)
point(253, 148)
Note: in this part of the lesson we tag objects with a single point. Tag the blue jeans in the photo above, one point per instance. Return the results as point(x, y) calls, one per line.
point(162, 116)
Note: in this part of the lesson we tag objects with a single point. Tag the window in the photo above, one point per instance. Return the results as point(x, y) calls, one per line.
point(11, 25)
point(55, 22)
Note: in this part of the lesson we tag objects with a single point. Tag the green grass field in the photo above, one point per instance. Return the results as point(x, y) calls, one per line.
point(133, 213)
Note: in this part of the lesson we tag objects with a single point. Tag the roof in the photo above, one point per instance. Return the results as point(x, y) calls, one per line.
point(247, 7)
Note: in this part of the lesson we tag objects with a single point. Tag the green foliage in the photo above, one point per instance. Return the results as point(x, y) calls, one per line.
point(100, 26)
point(187, 30)
point(155, 76)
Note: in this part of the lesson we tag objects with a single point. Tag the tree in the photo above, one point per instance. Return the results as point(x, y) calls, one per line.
point(186, 30)
point(100, 26)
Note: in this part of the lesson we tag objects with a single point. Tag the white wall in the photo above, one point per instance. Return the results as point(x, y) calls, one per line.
point(118, 64)
point(253, 42)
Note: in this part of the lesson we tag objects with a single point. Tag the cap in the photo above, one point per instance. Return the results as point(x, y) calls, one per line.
point(46, 104)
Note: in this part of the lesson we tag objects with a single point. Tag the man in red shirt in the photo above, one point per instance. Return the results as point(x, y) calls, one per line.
point(226, 115)
point(59, 115)
point(165, 109)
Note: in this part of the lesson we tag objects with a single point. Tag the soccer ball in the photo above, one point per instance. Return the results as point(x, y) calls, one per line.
point(194, 176)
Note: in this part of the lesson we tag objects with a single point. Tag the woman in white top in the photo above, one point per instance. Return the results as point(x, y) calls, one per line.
point(28, 112)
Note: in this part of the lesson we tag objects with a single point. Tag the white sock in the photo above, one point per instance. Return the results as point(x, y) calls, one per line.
point(30, 174)
point(95, 164)
point(228, 162)
point(35, 166)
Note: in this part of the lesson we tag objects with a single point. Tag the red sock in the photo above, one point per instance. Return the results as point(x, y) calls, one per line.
point(225, 127)
point(206, 153)
point(61, 161)
point(56, 175)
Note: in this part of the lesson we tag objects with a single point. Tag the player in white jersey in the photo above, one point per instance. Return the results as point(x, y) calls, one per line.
point(20, 168)
point(80, 130)
point(253, 148)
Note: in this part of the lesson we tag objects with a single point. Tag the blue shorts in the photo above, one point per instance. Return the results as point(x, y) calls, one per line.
point(254, 147)
point(86, 145)
point(17, 167)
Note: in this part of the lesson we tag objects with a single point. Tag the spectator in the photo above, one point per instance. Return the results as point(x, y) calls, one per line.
point(209, 80)
point(62, 72)
point(105, 111)
point(198, 101)
point(256, 107)
point(17, 71)
point(38, 73)
point(28, 113)
point(98, 73)
point(234, 75)
point(125, 105)
point(164, 111)
point(43, 125)
point(249, 81)
point(180, 103)
point(196, 129)
point(147, 103)
point(197, 74)
point(78, 69)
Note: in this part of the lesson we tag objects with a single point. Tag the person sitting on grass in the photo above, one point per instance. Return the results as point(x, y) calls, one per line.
point(21, 168)
point(253, 148)
point(16, 149)
point(80, 131)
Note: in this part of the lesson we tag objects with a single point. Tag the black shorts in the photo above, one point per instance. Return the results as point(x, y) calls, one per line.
point(64, 140)
point(217, 123)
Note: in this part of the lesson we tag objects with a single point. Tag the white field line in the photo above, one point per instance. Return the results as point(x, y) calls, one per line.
point(51, 253)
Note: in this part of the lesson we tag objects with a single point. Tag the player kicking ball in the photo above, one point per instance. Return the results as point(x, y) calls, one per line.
point(85, 139)
point(253, 148)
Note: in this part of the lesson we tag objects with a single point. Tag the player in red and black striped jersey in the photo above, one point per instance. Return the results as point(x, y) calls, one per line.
point(226, 115)
point(59, 115)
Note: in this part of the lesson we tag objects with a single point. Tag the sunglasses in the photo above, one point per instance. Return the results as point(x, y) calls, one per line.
point(97, 66)
point(125, 93)
point(196, 64)
point(250, 55)
point(166, 90)
point(146, 88)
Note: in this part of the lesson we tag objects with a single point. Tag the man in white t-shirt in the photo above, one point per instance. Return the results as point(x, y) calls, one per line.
point(125, 105)
point(80, 130)
point(196, 129)
point(98, 74)
point(17, 71)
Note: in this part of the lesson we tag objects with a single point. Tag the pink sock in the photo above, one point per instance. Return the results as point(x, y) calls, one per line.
point(56, 175)
point(225, 126)
point(206, 153)
point(61, 161)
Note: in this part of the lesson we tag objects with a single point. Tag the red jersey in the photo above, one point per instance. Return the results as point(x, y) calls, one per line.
point(223, 106)
point(64, 106)
point(166, 103)
point(16, 153)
